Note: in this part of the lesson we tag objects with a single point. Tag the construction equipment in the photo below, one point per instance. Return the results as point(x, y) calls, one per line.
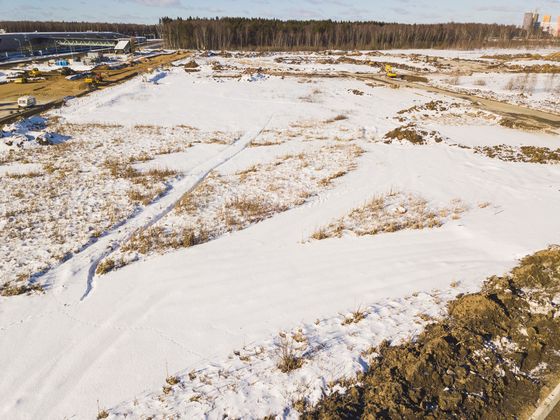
point(66, 71)
point(389, 72)
point(93, 79)
point(20, 80)
point(26, 101)
point(34, 72)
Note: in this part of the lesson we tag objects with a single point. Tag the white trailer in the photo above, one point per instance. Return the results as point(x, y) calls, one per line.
point(26, 101)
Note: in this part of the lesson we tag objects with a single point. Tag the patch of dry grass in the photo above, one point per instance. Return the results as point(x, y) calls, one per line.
point(289, 354)
point(105, 266)
point(340, 117)
point(227, 203)
point(388, 213)
point(24, 175)
point(19, 288)
point(355, 316)
point(527, 154)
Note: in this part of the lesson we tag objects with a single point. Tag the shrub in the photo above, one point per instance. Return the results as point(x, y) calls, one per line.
point(289, 357)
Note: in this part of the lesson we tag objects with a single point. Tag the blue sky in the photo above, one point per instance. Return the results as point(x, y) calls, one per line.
point(148, 11)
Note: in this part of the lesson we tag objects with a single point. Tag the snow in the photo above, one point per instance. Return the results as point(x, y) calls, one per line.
point(219, 104)
point(474, 54)
point(528, 63)
point(211, 314)
point(20, 169)
point(540, 91)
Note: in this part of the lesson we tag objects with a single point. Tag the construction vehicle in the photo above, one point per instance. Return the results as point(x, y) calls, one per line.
point(66, 71)
point(26, 101)
point(34, 72)
point(93, 79)
point(389, 72)
point(20, 80)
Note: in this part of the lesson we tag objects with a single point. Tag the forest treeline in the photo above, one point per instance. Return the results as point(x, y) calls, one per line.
point(273, 34)
point(244, 33)
point(131, 29)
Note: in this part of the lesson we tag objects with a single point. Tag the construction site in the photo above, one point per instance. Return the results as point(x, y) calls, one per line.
point(32, 87)
point(207, 226)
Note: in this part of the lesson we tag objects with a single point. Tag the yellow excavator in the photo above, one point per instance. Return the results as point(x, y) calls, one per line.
point(93, 80)
point(389, 72)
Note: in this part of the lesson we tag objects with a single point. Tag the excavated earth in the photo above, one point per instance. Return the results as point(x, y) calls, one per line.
point(494, 356)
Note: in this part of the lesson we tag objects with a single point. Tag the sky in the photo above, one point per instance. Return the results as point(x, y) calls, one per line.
point(406, 11)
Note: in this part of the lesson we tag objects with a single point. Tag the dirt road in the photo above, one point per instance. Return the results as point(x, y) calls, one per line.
point(55, 87)
point(517, 112)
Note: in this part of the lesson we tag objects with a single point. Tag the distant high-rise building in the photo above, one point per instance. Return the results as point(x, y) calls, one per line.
point(557, 29)
point(546, 24)
point(528, 21)
point(531, 21)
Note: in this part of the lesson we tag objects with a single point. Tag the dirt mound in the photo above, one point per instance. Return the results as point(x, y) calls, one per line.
point(491, 357)
point(537, 68)
point(191, 66)
point(412, 134)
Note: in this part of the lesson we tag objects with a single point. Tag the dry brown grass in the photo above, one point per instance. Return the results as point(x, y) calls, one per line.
point(102, 414)
point(289, 355)
point(172, 380)
point(355, 317)
point(142, 157)
point(139, 197)
point(527, 154)
point(320, 234)
point(325, 182)
point(261, 191)
point(20, 288)
point(253, 209)
point(55, 213)
point(340, 117)
point(389, 213)
point(262, 143)
point(157, 239)
point(24, 175)
point(105, 266)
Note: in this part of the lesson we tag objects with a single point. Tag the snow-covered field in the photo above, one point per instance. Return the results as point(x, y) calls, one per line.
point(195, 231)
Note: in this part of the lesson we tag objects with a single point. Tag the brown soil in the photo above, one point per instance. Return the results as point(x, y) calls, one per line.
point(528, 154)
point(412, 134)
point(56, 86)
point(538, 68)
point(520, 124)
point(493, 356)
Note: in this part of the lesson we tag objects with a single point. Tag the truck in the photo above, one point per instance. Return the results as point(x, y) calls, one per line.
point(26, 101)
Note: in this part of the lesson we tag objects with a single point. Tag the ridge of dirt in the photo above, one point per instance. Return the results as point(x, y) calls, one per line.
point(494, 355)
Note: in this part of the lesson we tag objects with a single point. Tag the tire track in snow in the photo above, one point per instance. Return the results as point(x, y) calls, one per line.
point(182, 187)
point(85, 263)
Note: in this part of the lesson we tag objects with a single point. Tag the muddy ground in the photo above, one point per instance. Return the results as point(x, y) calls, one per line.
point(55, 86)
point(494, 356)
